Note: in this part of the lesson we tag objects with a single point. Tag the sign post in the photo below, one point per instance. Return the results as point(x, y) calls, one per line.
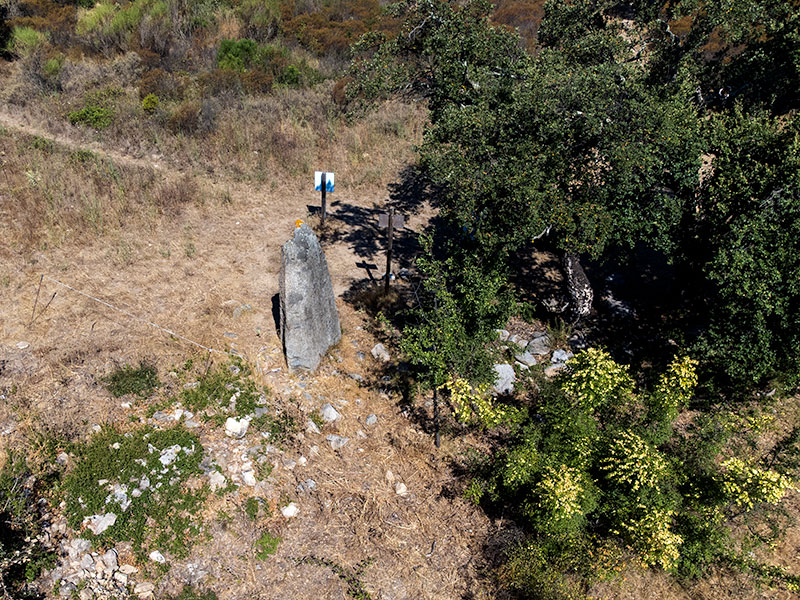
point(323, 183)
point(390, 220)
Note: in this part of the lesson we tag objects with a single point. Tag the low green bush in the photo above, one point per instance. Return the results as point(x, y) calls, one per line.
point(26, 40)
point(97, 117)
point(150, 103)
point(141, 381)
point(143, 478)
point(267, 545)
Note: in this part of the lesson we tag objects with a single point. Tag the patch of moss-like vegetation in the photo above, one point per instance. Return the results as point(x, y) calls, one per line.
point(143, 479)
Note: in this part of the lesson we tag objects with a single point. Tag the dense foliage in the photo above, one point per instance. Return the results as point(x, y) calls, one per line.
point(599, 138)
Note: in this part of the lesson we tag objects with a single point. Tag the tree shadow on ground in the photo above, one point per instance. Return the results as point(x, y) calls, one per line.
point(358, 226)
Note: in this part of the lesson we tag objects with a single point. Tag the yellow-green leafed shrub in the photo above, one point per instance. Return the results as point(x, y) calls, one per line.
point(633, 463)
point(559, 493)
point(656, 543)
point(474, 405)
point(675, 387)
point(150, 103)
point(26, 40)
point(595, 380)
point(747, 485)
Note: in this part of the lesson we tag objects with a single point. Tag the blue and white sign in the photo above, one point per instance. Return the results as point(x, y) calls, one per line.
point(318, 181)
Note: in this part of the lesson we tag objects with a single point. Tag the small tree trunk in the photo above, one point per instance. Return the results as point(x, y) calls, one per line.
point(580, 290)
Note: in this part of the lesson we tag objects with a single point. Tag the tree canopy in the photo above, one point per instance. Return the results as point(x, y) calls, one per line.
point(607, 136)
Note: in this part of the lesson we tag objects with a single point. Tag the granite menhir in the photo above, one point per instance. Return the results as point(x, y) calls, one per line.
point(309, 320)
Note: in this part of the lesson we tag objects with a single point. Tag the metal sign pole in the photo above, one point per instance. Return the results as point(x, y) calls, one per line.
point(324, 185)
point(389, 234)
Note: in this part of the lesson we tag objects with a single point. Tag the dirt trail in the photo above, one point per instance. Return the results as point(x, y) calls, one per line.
point(20, 121)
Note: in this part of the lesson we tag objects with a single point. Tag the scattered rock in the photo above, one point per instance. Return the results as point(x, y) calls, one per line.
point(22, 345)
point(502, 335)
point(290, 510)
point(561, 356)
point(156, 556)
point(62, 459)
point(389, 477)
point(380, 353)
point(539, 345)
point(337, 441)
point(249, 477)
point(87, 562)
point(504, 378)
point(97, 524)
point(360, 355)
point(309, 319)
point(110, 559)
point(168, 455)
point(79, 545)
point(526, 358)
point(311, 427)
point(400, 489)
point(329, 413)
point(356, 376)
point(161, 416)
point(216, 481)
point(121, 578)
point(144, 587)
point(236, 427)
point(309, 485)
point(289, 464)
point(128, 569)
point(371, 419)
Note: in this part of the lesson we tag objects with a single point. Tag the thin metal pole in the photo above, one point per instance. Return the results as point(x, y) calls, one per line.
point(324, 185)
point(390, 235)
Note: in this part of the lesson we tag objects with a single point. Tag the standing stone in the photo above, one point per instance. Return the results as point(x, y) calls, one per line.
point(578, 286)
point(309, 320)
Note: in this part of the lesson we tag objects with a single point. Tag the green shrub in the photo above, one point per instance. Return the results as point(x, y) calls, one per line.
point(251, 508)
point(26, 40)
point(141, 380)
point(95, 19)
point(97, 117)
point(112, 466)
point(236, 55)
point(267, 545)
point(150, 103)
point(225, 387)
point(52, 67)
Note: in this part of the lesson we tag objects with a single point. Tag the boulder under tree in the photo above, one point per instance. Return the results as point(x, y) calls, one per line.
point(309, 319)
point(580, 290)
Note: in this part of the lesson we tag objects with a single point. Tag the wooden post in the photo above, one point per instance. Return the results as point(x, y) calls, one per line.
point(35, 302)
point(324, 185)
point(436, 416)
point(390, 235)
